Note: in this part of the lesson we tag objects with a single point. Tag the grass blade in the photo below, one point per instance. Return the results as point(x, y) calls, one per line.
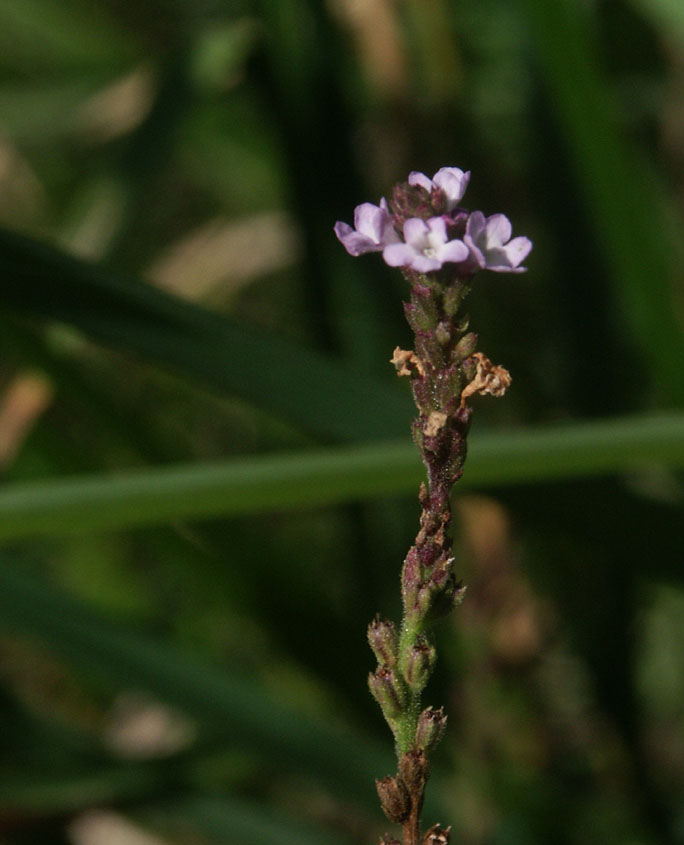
point(627, 210)
point(316, 394)
point(329, 476)
point(243, 713)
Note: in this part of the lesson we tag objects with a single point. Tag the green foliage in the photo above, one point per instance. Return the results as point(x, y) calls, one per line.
point(209, 480)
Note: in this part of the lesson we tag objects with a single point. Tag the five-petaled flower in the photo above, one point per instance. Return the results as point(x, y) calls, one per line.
point(427, 246)
point(490, 244)
point(374, 229)
point(452, 180)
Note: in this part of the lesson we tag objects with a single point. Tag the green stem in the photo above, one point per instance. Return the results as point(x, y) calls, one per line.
point(406, 723)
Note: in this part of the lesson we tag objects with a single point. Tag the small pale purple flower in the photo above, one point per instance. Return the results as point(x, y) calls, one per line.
point(490, 244)
point(452, 180)
point(427, 246)
point(373, 229)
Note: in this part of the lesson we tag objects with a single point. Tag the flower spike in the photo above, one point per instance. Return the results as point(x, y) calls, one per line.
point(439, 247)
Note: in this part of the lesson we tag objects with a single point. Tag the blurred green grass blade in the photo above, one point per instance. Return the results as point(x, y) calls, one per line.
point(243, 713)
point(54, 32)
point(320, 477)
point(242, 485)
point(667, 15)
point(628, 211)
point(51, 790)
point(228, 820)
point(48, 110)
point(314, 393)
point(561, 451)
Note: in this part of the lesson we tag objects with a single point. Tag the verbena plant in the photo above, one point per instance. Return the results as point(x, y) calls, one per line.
point(439, 246)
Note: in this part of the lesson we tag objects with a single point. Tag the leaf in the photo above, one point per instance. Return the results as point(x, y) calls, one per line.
point(329, 476)
point(55, 35)
point(238, 822)
point(666, 15)
point(224, 819)
point(316, 394)
point(241, 712)
point(627, 210)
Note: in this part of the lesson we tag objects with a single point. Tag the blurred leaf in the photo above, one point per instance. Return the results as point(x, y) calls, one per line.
point(241, 712)
point(45, 33)
point(54, 790)
point(222, 819)
point(228, 820)
point(627, 208)
point(47, 110)
point(312, 478)
point(667, 15)
point(314, 393)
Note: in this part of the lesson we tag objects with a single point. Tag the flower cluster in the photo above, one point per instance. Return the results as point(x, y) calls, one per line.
point(425, 240)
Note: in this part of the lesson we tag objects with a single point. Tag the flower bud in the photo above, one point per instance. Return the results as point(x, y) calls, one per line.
point(439, 594)
point(388, 691)
point(446, 599)
point(423, 395)
point(421, 312)
point(453, 297)
point(383, 640)
point(429, 349)
point(409, 201)
point(418, 664)
point(411, 577)
point(437, 835)
point(449, 386)
point(394, 799)
point(465, 347)
point(414, 770)
point(442, 333)
point(430, 729)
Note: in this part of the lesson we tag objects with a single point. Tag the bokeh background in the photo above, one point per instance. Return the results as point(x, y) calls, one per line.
point(209, 485)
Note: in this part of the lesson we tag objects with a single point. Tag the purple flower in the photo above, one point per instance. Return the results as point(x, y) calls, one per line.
point(490, 244)
point(427, 246)
point(451, 180)
point(374, 229)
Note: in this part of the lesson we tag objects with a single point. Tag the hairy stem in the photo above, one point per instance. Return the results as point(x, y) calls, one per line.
point(412, 827)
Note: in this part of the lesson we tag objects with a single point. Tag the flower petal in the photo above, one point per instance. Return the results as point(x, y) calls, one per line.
point(477, 259)
point(476, 225)
point(416, 178)
point(437, 230)
point(454, 251)
point(499, 261)
point(498, 230)
point(518, 249)
point(453, 181)
point(354, 242)
point(398, 255)
point(416, 232)
point(423, 264)
point(369, 220)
